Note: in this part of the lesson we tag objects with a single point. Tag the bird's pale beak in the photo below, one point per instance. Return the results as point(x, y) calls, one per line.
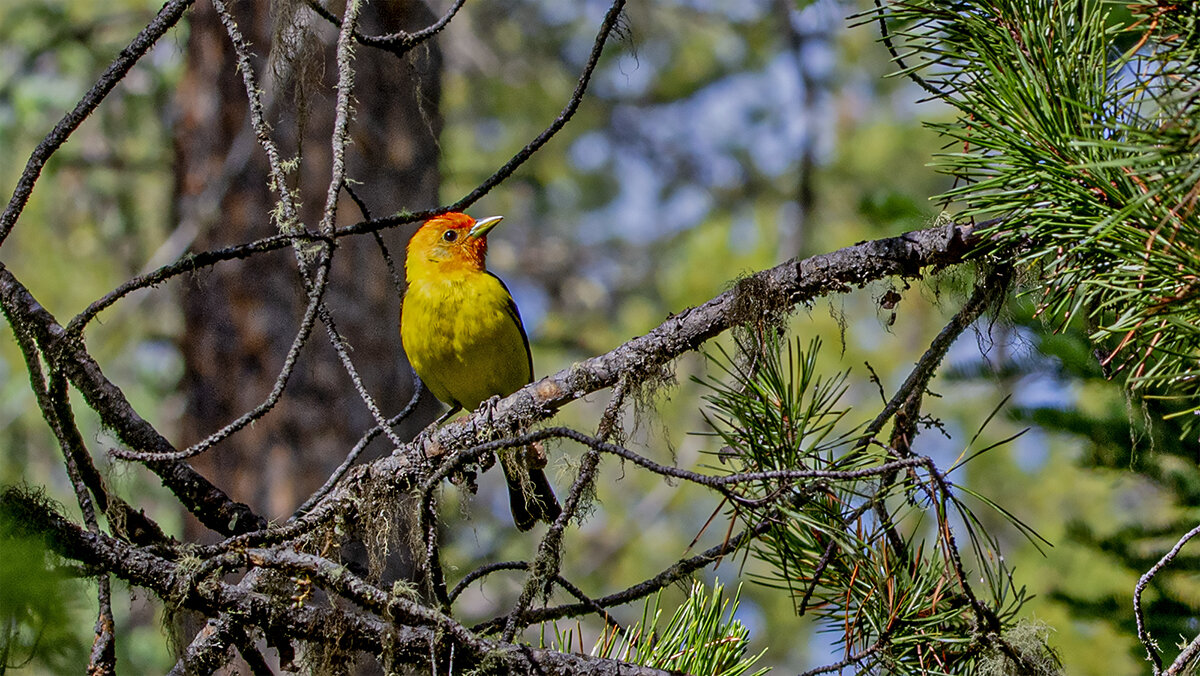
point(483, 226)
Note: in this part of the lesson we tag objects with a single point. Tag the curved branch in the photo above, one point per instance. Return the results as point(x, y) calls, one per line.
point(1143, 634)
point(772, 291)
point(606, 28)
point(667, 577)
point(285, 373)
point(189, 263)
point(911, 73)
point(398, 43)
point(304, 621)
point(336, 476)
point(487, 569)
point(549, 554)
point(212, 506)
point(166, 18)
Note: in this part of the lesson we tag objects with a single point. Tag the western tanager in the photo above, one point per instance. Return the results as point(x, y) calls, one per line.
point(464, 338)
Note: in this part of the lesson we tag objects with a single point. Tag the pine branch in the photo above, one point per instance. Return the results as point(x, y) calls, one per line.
point(304, 621)
point(1079, 123)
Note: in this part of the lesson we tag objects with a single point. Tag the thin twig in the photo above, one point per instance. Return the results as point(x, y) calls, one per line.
point(342, 112)
point(166, 18)
point(103, 658)
point(1143, 633)
point(672, 574)
point(359, 447)
point(290, 215)
point(905, 405)
point(910, 72)
point(549, 554)
point(339, 346)
point(606, 28)
point(398, 43)
point(719, 483)
point(988, 624)
point(985, 293)
point(191, 262)
point(427, 526)
point(285, 372)
point(853, 659)
point(487, 569)
point(393, 272)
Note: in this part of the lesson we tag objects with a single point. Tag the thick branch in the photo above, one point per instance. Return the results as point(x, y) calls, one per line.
point(768, 292)
point(210, 504)
point(777, 289)
point(408, 644)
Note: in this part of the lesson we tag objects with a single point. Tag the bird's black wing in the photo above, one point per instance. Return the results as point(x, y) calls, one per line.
point(516, 317)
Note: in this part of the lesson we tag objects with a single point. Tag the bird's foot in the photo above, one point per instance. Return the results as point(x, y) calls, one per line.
point(488, 407)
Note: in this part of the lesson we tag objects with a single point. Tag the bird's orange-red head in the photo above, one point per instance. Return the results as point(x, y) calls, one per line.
point(451, 240)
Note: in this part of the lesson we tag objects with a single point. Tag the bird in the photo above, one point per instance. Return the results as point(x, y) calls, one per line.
point(463, 336)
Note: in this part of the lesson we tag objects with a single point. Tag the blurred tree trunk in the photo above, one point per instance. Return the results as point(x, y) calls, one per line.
point(241, 317)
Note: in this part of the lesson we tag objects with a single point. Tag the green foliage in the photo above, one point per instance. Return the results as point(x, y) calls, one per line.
point(36, 625)
point(775, 415)
point(866, 546)
point(1076, 126)
point(1155, 485)
point(701, 637)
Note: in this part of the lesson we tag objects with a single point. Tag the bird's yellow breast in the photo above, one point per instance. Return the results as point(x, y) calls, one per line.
point(463, 337)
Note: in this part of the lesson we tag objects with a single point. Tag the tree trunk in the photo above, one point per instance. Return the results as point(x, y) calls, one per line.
point(242, 316)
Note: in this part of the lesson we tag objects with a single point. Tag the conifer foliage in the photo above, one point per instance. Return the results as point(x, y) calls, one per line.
point(1073, 147)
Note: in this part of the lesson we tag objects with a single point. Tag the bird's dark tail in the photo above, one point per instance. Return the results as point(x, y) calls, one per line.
point(529, 492)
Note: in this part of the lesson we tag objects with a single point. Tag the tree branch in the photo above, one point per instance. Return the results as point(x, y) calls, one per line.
point(399, 43)
point(414, 644)
point(167, 17)
point(1143, 634)
point(772, 291)
point(606, 28)
point(549, 555)
point(207, 502)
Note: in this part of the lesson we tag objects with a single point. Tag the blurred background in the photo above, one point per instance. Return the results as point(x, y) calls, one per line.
point(719, 137)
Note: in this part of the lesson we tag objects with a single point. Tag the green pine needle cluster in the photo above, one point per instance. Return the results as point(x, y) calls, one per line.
point(1076, 126)
point(701, 637)
point(774, 414)
point(867, 548)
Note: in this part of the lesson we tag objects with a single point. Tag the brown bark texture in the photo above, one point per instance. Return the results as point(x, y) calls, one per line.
point(242, 316)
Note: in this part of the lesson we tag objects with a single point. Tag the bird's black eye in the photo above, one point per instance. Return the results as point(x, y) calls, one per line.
point(450, 235)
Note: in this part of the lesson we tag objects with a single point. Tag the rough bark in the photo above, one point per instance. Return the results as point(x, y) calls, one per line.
point(241, 317)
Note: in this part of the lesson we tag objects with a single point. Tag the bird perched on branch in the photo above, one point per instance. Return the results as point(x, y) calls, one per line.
point(464, 338)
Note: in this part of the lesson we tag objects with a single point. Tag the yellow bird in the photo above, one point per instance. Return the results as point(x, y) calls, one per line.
point(464, 338)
